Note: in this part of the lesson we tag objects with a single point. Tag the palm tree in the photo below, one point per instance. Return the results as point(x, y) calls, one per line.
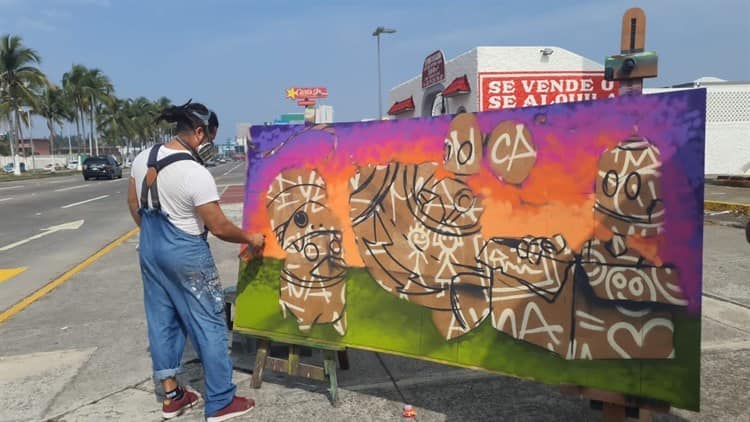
point(74, 83)
point(99, 90)
point(19, 76)
point(142, 113)
point(55, 110)
point(116, 124)
point(163, 127)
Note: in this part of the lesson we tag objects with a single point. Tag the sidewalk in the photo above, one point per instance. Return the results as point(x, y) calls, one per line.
point(104, 371)
point(727, 205)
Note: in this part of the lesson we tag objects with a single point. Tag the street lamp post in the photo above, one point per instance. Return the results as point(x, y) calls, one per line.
point(380, 30)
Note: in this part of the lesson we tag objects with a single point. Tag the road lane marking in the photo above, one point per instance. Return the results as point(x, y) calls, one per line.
point(28, 300)
point(71, 188)
point(231, 169)
point(74, 204)
point(73, 225)
point(6, 199)
point(8, 273)
point(12, 187)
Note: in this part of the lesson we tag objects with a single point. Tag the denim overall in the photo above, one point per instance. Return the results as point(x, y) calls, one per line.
point(182, 294)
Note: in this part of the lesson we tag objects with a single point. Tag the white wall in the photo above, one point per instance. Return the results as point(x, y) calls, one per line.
point(727, 127)
point(487, 59)
point(465, 64)
point(39, 160)
point(519, 59)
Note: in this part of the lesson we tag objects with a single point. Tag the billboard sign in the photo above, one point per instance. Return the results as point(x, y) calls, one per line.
point(507, 90)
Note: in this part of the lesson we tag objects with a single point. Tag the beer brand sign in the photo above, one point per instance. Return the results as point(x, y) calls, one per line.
point(501, 90)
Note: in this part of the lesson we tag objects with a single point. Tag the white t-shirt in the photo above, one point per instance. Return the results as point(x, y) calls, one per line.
point(183, 186)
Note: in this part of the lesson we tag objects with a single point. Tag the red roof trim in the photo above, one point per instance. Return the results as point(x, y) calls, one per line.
point(401, 106)
point(459, 86)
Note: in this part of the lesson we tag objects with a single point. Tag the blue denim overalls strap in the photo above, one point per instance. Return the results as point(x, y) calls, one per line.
point(182, 293)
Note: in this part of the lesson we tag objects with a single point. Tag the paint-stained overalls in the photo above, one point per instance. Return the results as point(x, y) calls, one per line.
point(182, 294)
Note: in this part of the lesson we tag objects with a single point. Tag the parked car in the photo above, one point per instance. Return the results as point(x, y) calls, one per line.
point(103, 166)
point(53, 167)
point(73, 165)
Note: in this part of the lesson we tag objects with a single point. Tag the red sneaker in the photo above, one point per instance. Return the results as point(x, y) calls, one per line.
point(238, 406)
point(173, 408)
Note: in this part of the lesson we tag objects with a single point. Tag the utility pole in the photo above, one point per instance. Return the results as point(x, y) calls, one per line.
point(380, 30)
point(93, 125)
point(70, 148)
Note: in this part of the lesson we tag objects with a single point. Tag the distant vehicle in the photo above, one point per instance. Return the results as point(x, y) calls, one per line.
point(222, 160)
point(103, 166)
point(73, 165)
point(8, 168)
point(53, 167)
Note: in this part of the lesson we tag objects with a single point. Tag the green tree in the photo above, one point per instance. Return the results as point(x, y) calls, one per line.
point(99, 90)
point(19, 77)
point(75, 86)
point(55, 109)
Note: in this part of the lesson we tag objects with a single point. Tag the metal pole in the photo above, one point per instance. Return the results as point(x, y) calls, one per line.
point(31, 139)
point(13, 145)
point(380, 88)
point(93, 125)
point(70, 147)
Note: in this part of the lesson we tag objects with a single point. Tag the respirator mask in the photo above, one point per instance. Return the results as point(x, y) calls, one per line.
point(205, 152)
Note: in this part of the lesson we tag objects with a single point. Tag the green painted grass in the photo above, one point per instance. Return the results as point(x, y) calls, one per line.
point(381, 322)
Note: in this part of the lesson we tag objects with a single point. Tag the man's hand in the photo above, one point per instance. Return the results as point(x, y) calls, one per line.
point(255, 244)
point(256, 240)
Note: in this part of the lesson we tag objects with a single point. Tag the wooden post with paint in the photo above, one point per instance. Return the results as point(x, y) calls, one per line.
point(634, 63)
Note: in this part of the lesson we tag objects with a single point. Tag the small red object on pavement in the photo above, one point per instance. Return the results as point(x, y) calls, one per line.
point(409, 412)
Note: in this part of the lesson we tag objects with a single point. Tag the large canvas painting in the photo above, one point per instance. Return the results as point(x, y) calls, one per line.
point(561, 243)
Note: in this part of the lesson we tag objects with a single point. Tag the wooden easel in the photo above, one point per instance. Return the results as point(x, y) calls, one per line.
point(293, 366)
point(633, 40)
point(616, 406)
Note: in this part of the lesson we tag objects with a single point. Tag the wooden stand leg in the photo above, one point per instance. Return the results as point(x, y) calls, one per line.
point(329, 364)
point(260, 362)
point(613, 412)
point(645, 415)
point(293, 359)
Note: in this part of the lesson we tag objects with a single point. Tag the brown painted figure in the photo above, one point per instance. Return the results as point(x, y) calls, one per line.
point(312, 281)
point(416, 234)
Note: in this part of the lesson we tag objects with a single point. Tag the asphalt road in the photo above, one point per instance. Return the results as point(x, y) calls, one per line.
point(84, 216)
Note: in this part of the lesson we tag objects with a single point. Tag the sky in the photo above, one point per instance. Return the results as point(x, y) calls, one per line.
point(238, 57)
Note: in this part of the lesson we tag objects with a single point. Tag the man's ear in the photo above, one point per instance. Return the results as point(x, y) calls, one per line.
point(199, 131)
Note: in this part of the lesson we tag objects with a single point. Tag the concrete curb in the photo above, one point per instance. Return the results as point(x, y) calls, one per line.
point(726, 206)
point(733, 224)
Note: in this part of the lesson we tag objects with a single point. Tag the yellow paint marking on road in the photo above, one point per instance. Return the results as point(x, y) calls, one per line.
point(8, 273)
point(18, 307)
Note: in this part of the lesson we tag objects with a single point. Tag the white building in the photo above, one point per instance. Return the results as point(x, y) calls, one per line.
point(491, 78)
point(727, 124)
